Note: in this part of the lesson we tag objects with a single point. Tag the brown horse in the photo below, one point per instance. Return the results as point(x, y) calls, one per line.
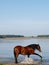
point(27, 50)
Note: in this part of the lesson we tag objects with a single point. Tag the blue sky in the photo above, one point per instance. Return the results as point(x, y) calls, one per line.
point(24, 17)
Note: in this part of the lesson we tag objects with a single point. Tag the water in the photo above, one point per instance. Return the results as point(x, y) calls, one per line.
point(7, 46)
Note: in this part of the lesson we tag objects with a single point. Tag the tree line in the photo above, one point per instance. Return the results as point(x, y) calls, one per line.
point(43, 36)
point(10, 36)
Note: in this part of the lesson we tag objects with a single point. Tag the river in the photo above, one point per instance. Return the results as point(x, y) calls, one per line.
point(7, 46)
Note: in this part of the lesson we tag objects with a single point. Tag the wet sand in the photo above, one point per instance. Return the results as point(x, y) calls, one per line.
point(26, 61)
point(35, 63)
point(10, 61)
point(24, 64)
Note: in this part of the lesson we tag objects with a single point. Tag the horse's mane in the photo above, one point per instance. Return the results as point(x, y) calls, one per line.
point(33, 46)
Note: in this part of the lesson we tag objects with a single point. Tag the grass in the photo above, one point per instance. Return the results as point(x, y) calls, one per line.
point(2, 64)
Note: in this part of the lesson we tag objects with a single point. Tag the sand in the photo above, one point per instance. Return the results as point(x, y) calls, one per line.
point(17, 38)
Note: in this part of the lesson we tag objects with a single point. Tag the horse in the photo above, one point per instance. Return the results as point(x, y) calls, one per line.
point(27, 50)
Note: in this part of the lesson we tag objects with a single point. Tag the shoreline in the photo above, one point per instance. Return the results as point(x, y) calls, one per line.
point(17, 38)
point(34, 62)
point(24, 38)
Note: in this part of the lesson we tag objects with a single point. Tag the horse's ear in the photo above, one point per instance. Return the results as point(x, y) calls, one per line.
point(37, 43)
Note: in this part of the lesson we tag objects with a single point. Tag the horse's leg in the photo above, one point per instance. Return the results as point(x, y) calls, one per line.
point(15, 55)
point(37, 54)
point(28, 56)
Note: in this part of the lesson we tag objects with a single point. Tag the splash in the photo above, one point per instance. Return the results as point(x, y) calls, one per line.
point(28, 61)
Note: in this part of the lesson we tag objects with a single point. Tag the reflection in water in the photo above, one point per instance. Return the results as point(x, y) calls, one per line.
point(6, 49)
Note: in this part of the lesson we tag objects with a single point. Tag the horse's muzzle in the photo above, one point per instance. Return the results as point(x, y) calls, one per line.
point(41, 54)
point(40, 50)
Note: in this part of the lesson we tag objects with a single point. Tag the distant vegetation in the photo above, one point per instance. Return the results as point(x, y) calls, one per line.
point(43, 36)
point(10, 36)
point(14, 36)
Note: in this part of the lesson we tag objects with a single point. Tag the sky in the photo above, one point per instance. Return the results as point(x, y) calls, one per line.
point(24, 17)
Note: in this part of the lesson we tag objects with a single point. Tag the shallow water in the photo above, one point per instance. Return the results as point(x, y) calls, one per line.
point(6, 50)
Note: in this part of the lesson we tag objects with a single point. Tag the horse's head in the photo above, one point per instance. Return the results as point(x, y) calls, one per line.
point(38, 47)
point(35, 46)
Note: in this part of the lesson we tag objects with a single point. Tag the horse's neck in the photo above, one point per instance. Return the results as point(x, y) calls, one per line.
point(35, 47)
point(32, 46)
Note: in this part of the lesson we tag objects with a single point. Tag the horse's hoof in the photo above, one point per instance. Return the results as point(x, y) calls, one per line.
point(41, 59)
point(16, 62)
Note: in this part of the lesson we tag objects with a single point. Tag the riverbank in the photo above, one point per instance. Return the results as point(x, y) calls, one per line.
point(17, 38)
point(24, 38)
point(21, 64)
point(26, 61)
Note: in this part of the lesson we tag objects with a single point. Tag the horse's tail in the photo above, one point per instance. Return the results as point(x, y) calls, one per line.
point(15, 56)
